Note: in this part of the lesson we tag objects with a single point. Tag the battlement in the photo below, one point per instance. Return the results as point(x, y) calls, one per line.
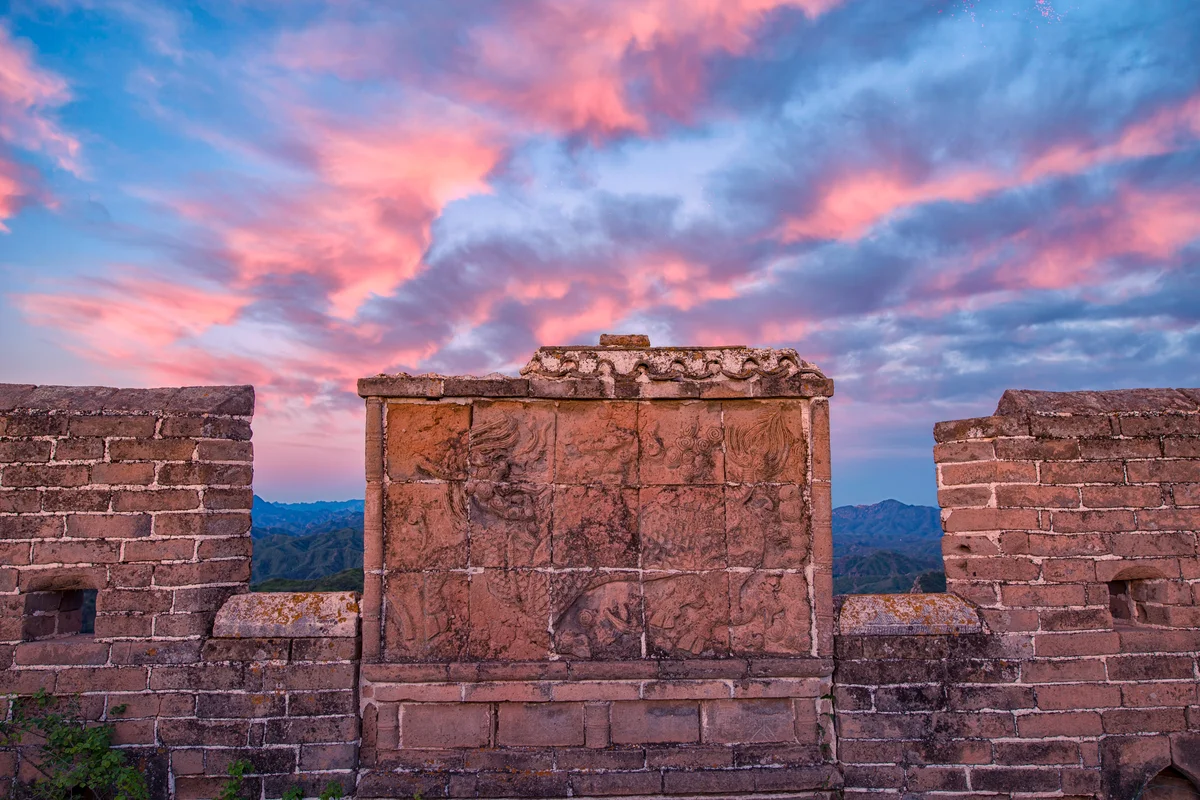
point(611, 577)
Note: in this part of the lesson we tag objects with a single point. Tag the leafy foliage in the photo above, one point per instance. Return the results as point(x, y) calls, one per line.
point(232, 787)
point(76, 758)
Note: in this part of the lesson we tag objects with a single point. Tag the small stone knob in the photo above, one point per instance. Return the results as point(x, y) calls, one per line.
point(624, 340)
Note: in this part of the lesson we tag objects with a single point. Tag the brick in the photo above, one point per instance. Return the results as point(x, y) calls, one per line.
point(31, 527)
point(228, 499)
point(27, 452)
point(749, 721)
point(1181, 446)
point(540, 724)
point(225, 451)
point(1078, 696)
point(1061, 595)
point(1092, 521)
point(1031, 753)
point(137, 474)
point(65, 475)
point(1063, 670)
point(108, 526)
point(445, 724)
point(1180, 519)
point(312, 730)
point(1070, 427)
point(1137, 568)
point(1083, 472)
point(1063, 544)
point(151, 450)
point(964, 496)
point(231, 571)
point(78, 449)
point(19, 501)
point(1161, 425)
point(159, 549)
point(56, 551)
point(1034, 496)
point(1018, 779)
point(101, 679)
point(156, 500)
point(990, 519)
point(206, 427)
point(1122, 496)
point(1154, 545)
point(72, 651)
point(655, 722)
point(326, 757)
point(310, 677)
point(1144, 720)
point(1145, 695)
point(1040, 725)
point(1148, 668)
point(988, 472)
point(1086, 643)
point(993, 568)
point(322, 704)
point(203, 733)
point(1163, 471)
point(1115, 449)
point(1037, 449)
point(980, 428)
point(76, 499)
point(1075, 619)
point(950, 452)
point(1185, 495)
point(202, 474)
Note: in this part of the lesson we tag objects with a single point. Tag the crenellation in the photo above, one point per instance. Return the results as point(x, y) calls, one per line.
point(612, 576)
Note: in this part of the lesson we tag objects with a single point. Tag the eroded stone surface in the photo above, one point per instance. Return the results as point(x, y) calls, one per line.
point(426, 616)
point(687, 615)
point(512, 441)
point(427, 440)
point(595, 526)
point(509, 524)
point(682, 527)
point(764, 442)
point(767, 525)
point(294, 614)
point(510, 614)
point(597, 614)
point(680, 443)
point(596, 443)
point(768, 613)
point(901, 614)
point(425, 526)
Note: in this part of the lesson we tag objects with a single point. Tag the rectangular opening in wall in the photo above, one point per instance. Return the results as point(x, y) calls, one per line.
point(52, 615)
point(87, 622)
point(1120, 601)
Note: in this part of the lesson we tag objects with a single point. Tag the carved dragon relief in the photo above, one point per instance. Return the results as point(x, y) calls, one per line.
point(501, 451)
point(762, 448)
point(693, 453)
point(738, 364)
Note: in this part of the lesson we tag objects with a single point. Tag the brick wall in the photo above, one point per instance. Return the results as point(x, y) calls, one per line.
point(1070, 520)
point(143, 497)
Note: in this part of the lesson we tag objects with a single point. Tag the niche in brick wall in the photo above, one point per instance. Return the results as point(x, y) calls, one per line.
point(56, 614)
point(1170, 784)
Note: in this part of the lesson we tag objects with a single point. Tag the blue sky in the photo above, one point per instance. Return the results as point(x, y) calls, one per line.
point(932, 201)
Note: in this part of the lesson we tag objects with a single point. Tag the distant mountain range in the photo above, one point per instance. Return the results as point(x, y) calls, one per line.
point(884, 547)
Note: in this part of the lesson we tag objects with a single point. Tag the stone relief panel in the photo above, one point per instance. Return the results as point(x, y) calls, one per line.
point(425, 527)
point(509, 524)
point(595, 526)
point(767, 525)
point(510, 615)
point(427, 441)
point(764, 442)
point(596, 443)
point(687, 615)
point(426, 616)
point(768, 613)
point(597, 614)
point(680, 443)
point(512, 442)
point(682, 527)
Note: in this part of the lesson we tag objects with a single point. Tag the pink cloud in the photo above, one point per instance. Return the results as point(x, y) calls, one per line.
point(27, 94)
point(853, 201)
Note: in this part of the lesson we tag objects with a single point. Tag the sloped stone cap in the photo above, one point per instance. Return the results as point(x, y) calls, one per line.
point(1018, 402)
point(907, 615)
point(233, 401)
point(296, 615)
point(627, 371)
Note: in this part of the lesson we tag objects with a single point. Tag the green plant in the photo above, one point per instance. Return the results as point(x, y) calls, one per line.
point(293, 793)
point(231, 789)
point(332, 791)
point(76, 758)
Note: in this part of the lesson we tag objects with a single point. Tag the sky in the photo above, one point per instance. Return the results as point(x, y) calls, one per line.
point(932, 201)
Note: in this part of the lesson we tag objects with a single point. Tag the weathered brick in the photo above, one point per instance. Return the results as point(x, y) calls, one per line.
point(980, 428)
point(135, 474)
point(229, 571)
point(25, 452)
point(1145, 695)
point(19, 501)
point(228, 499)
point(1144, 720)
point(57, 551)
point(65, 475)
point(445, 724)
point(156, 500)
point(989, 472)
point(1088, 521)
point(1147, 668)
point(1122, 496)
point(108, 526)
point(223, 450)
point(151, 450)
point(1062, 670)
point(655, 722)
point(1034, 496)
point(1116, 449)
point(78, 449)
point(1040, 725)
point(1071, 427)
point(1037, 449)
point(1083, 472)
point(124, 426)
point(749, 721)
point(1154, 545)
point(31, 527)
point(76, 499)
point(1161, 425)
point(203, 474)
point(540, 724)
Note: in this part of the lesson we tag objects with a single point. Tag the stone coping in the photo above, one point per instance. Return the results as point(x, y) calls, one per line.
point(296, 615)
point(907, 615)
point(1018, 402)
point(234, 401)
point(624, 372)
point(649, 669)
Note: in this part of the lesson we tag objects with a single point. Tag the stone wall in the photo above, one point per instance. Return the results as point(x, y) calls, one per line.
point(1071, 522)
point(515, 638)
point(143, 497)
point(611, 575)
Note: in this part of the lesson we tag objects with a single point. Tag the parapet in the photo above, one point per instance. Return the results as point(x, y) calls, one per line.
point(299, 615)
point(907, 615)
point(632, 370)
